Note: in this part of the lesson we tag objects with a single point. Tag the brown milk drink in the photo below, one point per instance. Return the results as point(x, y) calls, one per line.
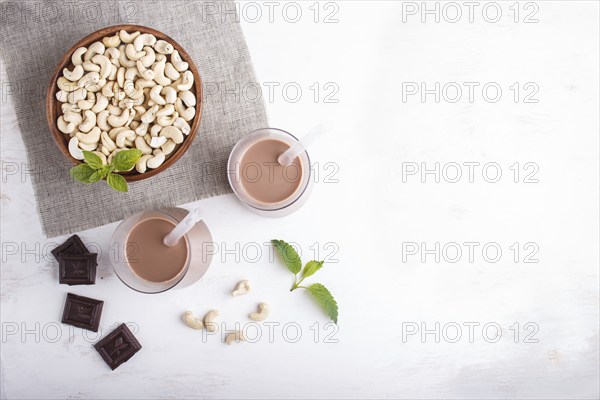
point(149, 257)
point(263, 178)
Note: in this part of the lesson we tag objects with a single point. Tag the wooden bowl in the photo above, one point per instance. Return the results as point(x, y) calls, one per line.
point(54, 110)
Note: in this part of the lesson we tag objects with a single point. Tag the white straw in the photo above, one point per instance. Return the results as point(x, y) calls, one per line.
point(301, 145)
point(183, 227)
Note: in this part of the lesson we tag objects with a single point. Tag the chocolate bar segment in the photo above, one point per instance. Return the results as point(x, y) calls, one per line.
point(73, 245)
point(82, 312)
point(118, 346)
point(77, 269)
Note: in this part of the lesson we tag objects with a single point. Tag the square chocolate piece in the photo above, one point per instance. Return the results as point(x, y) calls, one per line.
point(73, 245)
point(77, 269)
point(82, 312)
point(118, 346)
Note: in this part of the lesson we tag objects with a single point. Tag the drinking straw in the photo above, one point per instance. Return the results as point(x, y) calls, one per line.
point(183, 227)
point(301, 145)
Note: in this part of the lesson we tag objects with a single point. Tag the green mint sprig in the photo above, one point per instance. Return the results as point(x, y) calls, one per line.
point(292, 261)
point(92, 169)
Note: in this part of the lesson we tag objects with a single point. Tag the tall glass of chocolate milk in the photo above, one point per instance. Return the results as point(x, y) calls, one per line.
point(144, 263)
point(260, 182)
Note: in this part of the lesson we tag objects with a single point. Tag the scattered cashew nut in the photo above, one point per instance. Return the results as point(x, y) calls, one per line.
point(262, 314)
point(241, 288)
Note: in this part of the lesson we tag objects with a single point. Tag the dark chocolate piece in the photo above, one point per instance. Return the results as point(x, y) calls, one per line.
point(118, 346)
point(82, 312)
point(77, 269)
point(73, 245)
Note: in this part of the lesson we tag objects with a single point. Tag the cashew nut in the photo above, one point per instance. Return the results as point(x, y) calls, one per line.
point(77, 54)
point(145, 39)
point(168, 147)
point(62, 96)
point(64, 126)
point(141, 144)
point(123, 60)
point(171, 132)
point(66, 85)
point(132, 53)
point(88, 123)
point(150, 115)
point(163, 47)
point(125, 135)
point(234, 337)
point(132, 90)
point(127, 37)
point(188, 98)
point(149, 58)
point(164, 120)
point(157, 160)
point(77, 95)
point(187, 81)
point(74, 75)
point(68, 107)
point(88, 79)
point(140, 165)
point(102, 120)
point(119, 120)
point(155, 130)
point(178, 63)
point(159, 74)
point(166, 110)
point(74, 149)
point(262, 314)
point(88, 147)
point(95, 48)
point(105, 65)
point(145, 73)
point(183, 126)
point(241, 288)
point(89, 66)
point(185, 113)
point(74, 117)
point(171, 72)
point(157, 141)
point(112, 41)
point(87, 103)
point(189, 319)
point(101, 103)
point(107, 142)
point(170, 94)
point(93, 137)
point(113, 55)
point(155, 95)
point(209, 321)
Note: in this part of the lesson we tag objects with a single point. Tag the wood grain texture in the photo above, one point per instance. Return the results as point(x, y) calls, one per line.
point(54, 111)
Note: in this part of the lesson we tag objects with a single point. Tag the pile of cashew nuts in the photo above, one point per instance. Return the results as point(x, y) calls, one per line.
point(208, 322)
point(128, 91)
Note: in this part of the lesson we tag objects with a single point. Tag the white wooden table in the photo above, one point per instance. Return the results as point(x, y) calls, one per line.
point(418, 319)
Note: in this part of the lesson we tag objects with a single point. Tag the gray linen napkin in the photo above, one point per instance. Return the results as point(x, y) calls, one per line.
point(35, 34)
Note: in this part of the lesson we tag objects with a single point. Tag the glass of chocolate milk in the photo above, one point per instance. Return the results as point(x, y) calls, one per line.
point(260, 182)
point(144, 263)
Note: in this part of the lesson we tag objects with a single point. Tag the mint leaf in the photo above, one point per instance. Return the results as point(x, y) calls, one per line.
point(96, 176)
point(289, 256)
point(106, 170)
point(117, 182)
point(92, 159)
point(311, 267)
point(82, 173)
point(126, 159)
point(325, 299)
